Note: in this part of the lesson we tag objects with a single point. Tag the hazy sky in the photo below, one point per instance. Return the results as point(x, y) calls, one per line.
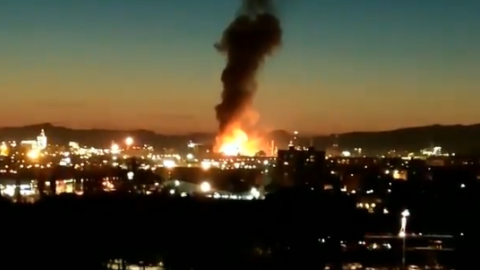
point(345, 64)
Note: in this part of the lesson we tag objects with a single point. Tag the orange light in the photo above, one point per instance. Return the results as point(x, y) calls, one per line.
point(129, 141)
point(236, 142)
point(3, 149)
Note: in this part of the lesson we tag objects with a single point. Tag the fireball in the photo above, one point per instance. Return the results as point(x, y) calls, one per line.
point(237, 142)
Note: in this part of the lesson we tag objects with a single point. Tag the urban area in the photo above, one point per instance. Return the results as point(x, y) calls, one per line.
point(34, 168)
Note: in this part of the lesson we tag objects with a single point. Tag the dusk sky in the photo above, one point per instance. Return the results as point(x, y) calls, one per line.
point(345, 65)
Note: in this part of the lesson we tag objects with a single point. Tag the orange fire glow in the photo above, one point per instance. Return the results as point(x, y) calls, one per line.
point(237, 142)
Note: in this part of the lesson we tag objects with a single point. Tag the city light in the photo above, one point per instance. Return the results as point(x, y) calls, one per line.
point(3, 149)
point(206, 165)
point(129, 141)
point(114, 148)
point(405, 214)
point(205, 187)
point(33, 154)
point(169, 164)
point(255, 193)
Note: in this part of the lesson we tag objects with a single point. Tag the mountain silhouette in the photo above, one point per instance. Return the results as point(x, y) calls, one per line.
point(459, 138)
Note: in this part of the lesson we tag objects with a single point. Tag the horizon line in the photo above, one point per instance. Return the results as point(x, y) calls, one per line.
point(213, 132)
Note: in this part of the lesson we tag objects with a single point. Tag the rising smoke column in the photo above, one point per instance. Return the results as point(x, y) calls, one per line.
point(252, 36)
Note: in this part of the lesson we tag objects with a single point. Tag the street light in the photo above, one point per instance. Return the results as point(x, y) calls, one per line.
point(129, 141)
point(402, 234)
point(205, 187)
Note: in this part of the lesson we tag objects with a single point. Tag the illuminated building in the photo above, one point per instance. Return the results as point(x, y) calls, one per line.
point(273, 149)
point(42, 140)
point(434, 151)
point(39, 144)
point(300, 167)
point(294, 141)
point(199, 150)
point(334, 149)
point(32, 144)
point(74, 145)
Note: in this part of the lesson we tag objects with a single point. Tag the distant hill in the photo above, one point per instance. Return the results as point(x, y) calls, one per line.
point(460, 138)
point(456, 138)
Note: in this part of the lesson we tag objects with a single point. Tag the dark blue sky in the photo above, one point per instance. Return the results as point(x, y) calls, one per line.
point(345, 64)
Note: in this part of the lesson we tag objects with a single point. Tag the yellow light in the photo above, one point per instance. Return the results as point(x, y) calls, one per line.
point(4, 149)
point(33, 154)
point(206, 165)
point(129, 141)
point(115, 149)
point(169, 164)
point(236, 142)
point(205, 187)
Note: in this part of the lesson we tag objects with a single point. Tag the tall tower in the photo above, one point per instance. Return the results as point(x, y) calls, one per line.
point(42, 140)
point(272, 149)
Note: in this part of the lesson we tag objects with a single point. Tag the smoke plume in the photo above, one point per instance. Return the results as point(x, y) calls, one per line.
point(251, 37)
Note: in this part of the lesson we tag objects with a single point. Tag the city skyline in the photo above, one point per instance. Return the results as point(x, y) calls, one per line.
point(343, 67)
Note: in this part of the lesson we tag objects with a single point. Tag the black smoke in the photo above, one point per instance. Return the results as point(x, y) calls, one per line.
point(251, 37)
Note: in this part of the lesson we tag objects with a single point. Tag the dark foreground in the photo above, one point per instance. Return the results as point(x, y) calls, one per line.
point(287, 231)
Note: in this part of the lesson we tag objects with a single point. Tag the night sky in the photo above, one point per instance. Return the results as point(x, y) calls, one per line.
point(346, 65)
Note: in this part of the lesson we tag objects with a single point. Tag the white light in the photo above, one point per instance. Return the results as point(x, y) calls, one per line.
point(129, 141)
point(404, 222)
point(189, 156)
point(177, 183)
point(206, 165)
point(205, 187)
point(115, 149)
point(169, 163)
point(255, 193)
point(130, 175)
point(172, 191)
point(33, 154)
point(403, 227)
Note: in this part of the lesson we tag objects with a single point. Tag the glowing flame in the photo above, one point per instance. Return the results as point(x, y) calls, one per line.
point(237, 142)
point(3, 149)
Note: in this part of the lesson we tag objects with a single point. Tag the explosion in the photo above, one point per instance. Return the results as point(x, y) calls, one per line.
point(246, 42)
point(236, 142)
